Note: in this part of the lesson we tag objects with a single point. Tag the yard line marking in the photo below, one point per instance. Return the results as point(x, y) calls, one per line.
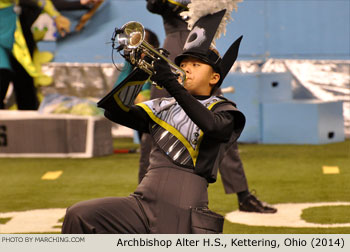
point(51, 175)
point(288, 215)
point(33, 221)
point(330, 170)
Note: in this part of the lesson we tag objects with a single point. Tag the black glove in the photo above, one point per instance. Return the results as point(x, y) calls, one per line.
point(163, 75)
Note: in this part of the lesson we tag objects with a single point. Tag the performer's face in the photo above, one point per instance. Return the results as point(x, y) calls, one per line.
point(200, 77)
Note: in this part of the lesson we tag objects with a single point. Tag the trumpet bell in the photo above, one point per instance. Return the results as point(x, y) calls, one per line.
point(132, 36)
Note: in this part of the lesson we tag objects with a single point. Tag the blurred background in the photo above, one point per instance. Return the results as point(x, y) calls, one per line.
point(300, 47)
point(271, 28)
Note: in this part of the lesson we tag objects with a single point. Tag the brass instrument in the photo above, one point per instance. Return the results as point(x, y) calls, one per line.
point(131, 39)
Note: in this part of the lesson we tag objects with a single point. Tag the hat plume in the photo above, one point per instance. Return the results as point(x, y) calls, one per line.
point(200, 8)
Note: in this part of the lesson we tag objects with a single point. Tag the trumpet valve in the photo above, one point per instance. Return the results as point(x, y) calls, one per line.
point(164, 52)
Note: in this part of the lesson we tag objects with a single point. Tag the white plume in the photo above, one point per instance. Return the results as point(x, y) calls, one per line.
point(200, 8)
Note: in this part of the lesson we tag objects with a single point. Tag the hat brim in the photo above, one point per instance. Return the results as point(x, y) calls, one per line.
point(199, 56)
point(203, 58)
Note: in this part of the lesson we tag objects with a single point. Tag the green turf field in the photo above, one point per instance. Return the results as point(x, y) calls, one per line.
point(279, 174)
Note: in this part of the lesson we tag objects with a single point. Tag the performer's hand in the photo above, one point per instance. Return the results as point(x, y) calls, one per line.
point(63, 25)
point(162, 73)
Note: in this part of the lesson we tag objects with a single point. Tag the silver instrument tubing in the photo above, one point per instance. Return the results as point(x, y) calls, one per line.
point(132, 38)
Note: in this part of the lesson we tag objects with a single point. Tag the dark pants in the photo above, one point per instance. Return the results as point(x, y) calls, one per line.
point(25, 91)
point(161, 204)
point(5, 78)
point(23, 83)
point(105, 215)
point(232, 173)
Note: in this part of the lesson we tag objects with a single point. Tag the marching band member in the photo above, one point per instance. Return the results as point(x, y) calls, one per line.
point(191, 130)
point(231, 168)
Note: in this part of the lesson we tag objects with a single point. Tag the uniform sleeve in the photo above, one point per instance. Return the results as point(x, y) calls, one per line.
point(219, 125)
point(136, 118)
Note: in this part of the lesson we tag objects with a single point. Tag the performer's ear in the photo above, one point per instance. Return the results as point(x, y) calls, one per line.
point(215, 77)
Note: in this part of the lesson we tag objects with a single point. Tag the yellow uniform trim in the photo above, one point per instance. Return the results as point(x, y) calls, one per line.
point(5, 4)
point(116, 95)
point(176, 133)
point(49, 8)
point(21, 51)
point(178, 4)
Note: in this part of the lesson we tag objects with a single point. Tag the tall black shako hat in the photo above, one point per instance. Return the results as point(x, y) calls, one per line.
point(199, 42)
